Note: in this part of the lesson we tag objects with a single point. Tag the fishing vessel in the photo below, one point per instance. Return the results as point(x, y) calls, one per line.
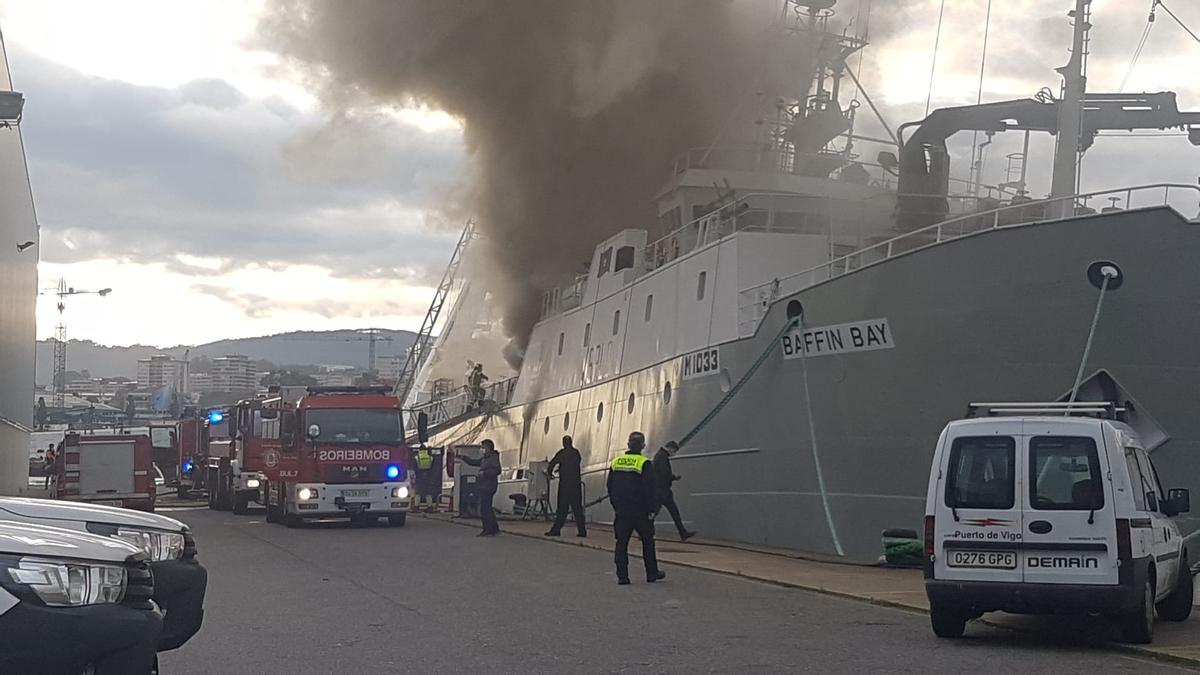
point(807, 320)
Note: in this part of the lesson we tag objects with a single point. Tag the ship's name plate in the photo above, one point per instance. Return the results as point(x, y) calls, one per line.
point(846, 338)
point(702, 363)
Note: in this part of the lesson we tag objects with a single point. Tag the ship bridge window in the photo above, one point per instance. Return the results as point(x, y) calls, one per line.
point(625, 256)
point(605, 262)
point(649, 306)
point(616, 321)
point(701, 282)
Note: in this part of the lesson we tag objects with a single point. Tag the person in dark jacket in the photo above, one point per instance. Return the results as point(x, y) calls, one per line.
point(570, 488)
point(632, 492)
point(487, 481)
point(665, 477)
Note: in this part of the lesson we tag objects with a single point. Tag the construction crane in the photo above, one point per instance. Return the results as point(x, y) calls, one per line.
point(60, 336)
point(368, 335)
point(420, 348)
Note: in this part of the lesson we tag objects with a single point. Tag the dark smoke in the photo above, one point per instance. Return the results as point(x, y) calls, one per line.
point(574, 110)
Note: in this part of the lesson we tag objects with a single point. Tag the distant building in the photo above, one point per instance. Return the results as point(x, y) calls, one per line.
point(233, 372)
point(200, 382)
point(160, 371)
point(390, 367)
point(338, 377)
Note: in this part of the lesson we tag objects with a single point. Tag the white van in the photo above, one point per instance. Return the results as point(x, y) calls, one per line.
point(1044, 508)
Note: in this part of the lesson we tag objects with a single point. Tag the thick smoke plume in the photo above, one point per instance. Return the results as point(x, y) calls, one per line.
point(574, 110)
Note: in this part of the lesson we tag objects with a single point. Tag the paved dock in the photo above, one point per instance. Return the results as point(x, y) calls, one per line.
point(432, 596)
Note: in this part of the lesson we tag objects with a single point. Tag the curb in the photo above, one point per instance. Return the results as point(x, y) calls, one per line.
point(1165, 657)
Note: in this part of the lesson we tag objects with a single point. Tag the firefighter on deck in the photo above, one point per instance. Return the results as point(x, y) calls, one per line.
point(632, 491)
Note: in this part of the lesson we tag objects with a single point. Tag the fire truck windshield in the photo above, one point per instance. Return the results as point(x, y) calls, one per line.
point(355, 425)
point(162, 437)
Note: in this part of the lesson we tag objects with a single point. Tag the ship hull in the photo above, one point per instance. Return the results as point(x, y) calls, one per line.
point(822, 453)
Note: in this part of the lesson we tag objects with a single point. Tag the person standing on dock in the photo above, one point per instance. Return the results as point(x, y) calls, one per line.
point(665, 477)
point(632, 490)
point(570, 488)
point(487, 482)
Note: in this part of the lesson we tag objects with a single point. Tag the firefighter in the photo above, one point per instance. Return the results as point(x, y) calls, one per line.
point(632, 492)
point(475, 384)
point(424, 483)
point(570, 488)
point(487, 482)
point(665, 477)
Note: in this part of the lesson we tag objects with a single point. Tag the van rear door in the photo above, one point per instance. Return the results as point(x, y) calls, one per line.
point(977, 514)
point(106, 469)
point(1070, 528)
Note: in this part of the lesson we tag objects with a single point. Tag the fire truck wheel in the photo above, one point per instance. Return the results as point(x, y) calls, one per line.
point(241, 504)
point(398, 520)
point(272, 513)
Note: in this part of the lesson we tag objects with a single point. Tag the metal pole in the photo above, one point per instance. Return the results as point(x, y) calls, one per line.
point(1109, 274)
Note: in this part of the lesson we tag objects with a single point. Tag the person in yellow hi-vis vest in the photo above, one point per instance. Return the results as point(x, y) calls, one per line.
point(633, 495)
point(424, 480)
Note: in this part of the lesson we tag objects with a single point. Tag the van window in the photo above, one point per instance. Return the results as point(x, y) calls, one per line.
point(1151, 476)
point(1064, 474)
point(1137, 480)
point(981, 473)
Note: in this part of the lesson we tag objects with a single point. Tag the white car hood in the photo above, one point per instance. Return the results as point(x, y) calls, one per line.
point(23, 539)
point(26, 510)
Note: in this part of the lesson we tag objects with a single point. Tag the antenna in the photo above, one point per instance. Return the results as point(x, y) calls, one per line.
point(1070, 112)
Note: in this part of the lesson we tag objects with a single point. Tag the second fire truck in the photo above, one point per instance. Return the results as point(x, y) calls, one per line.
point(338, 451)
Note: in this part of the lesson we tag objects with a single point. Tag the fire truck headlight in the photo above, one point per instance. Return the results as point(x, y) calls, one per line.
point(252, 482)
point(306, 494)
point(393, 472)
point(400, 492)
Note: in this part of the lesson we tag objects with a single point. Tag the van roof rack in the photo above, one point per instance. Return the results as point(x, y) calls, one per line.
point(1101, 409)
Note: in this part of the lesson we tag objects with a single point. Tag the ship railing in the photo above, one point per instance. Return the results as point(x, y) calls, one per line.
point(460, 401)
point(783, 159)
point(755, 301)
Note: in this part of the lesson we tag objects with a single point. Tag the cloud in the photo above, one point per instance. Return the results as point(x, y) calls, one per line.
point(146, 174)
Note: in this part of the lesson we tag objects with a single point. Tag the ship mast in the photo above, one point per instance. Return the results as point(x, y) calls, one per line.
point(1070, 112)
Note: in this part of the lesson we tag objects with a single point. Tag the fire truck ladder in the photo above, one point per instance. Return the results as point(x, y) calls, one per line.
point(420, 349)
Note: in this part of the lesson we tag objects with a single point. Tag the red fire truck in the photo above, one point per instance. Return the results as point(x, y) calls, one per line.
point(113, 470)
point(339, 451)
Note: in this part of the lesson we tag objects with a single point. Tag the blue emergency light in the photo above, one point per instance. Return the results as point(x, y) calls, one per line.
point(187, 466)
point(216, 416)
point(393, 471)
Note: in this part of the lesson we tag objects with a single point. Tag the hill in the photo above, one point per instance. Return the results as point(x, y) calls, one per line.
point(302, 348)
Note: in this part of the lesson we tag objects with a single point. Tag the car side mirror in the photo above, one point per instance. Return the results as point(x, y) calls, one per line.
point(1179, 500)
point(423, 427)
point(314, 432)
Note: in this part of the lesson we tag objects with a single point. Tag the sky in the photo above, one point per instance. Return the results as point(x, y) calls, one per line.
point(177, 162)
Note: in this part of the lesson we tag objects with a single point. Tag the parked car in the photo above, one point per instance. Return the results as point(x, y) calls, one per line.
point(180, 581)
point(1034, 509)
point(73, 602)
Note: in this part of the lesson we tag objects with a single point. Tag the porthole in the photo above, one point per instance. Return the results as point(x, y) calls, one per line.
point(600, 411)
point(546, 427)
point(632, 400)
point(667, 393)
point(726, 381)
point(566, 421)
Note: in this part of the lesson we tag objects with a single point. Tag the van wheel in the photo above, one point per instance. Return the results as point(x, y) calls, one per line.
point(1137, 626)
point(1178, 605)
point(947, 623)
point(398, 520)
point(241, 504)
